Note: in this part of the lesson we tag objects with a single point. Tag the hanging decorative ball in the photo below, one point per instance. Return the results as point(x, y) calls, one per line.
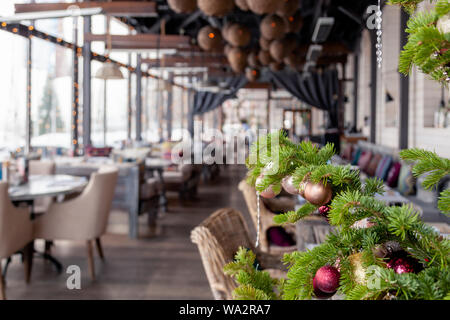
point(253, 60)
point(302, 187)
point(402, 262)
point(273, 27)
point(183, 6)
point(252, 74)
point(443, 24)
point(359, 272)
point(293, 60)
point(264, 43)
point(288, 185)
point(227, 49)
point(294, 22)
point(276, 66)
point(318, 194)
point(217, 8)
point(238, 35)
point(242, 4)
point(225, 30)
point(278, 50)
point(209, 39)
point(269, 193)
point(320, 294)
point(263, 6)
point(264, 57)
point(286, 7)
point(327, 279)
point(237, 59)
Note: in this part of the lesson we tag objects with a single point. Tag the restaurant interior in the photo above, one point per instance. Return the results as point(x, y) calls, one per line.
point(125, 127)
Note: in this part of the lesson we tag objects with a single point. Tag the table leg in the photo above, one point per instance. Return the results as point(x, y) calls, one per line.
point(163, 199)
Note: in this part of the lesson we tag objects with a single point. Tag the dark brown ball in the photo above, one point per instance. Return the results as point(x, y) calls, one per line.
point(318, 194)
point(253, 60)
point(252, 74)
point(276, 66)
point(237, 59)
point(263, 6)
point(286, 7)
point(294, 22)
point(264, 57)
point(264, 43)
point(225, 30)
point(273, 27)
point(183, 6)
point(209, 39)
point(294, 60)
point(238, 35)
point(278, 50)
point(217, 8)
point(242, 4)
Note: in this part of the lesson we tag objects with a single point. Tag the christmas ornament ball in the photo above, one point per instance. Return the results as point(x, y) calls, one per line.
point(319, 293)
point(327, 279)
point(318, 194)
point(288, 185)
point(400, 265)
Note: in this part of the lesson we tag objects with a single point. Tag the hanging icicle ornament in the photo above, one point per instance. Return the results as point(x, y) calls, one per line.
point(258, 215)
point(379, 44)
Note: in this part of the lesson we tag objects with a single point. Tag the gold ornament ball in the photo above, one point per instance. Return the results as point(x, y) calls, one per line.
point(217, 8)
point(273, 27)
point(318, 194)
point(209, 39)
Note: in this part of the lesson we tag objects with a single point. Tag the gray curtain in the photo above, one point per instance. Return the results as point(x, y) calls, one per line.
point(319, 90)
point(205, 101)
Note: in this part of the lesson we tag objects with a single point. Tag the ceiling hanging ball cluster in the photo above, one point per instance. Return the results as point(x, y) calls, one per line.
point(209, 39)
point(237, 58)
point(216, 8)
point(238, 35)
point(183, 6)
point(294, 22)
point(242, 4)
point(287, 7)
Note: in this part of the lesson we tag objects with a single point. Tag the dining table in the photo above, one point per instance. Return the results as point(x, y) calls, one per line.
point(40, 186)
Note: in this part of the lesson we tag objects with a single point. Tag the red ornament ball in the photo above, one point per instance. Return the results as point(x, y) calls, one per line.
point(327, 279)
point(319, 293)
point(401, 265)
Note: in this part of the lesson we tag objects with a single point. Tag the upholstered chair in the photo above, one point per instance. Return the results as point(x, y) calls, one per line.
point(16, 233)
point(38, 167)
point(83, 218)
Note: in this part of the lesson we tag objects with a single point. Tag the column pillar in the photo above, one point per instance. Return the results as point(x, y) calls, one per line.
point(138, 99)
point(404, 89)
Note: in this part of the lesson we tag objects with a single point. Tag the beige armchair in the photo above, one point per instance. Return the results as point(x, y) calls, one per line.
point(16, 233)
point(267, 216)
point(218, 239)
point(84, 217)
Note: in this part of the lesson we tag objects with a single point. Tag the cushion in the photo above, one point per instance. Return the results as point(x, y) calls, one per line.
point(383, 167)
point(356, 156)
point(392, 176)
point(406, 181)
point(278, 236)
point(364, 160)
point(347, 153)
point(373, 164)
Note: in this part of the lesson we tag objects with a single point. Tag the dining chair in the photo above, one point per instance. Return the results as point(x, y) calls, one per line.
point(83, 218)
point(16, 234)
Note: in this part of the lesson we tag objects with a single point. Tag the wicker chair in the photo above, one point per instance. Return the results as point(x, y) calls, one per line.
point(218, 239)
point(266, 220)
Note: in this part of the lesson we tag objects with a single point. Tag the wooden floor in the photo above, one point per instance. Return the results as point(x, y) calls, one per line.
point(164, 267)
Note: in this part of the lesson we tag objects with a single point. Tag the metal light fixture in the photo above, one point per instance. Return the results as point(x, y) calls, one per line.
point(109, 71)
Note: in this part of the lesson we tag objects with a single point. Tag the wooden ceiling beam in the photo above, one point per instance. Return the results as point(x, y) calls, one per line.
point(198, 61)
point(142, 41)
point(119, 8)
